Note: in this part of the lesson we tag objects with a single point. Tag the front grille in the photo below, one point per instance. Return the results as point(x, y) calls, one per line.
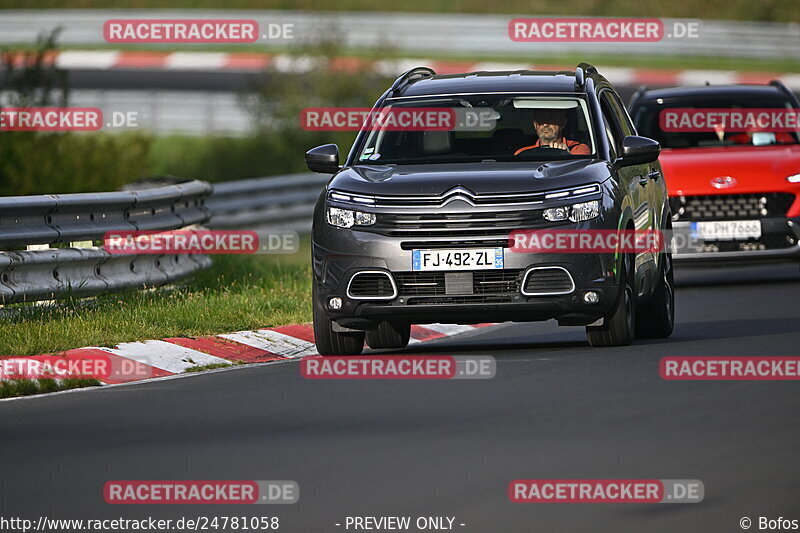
point(371, 285)
point(489, 299)
point(548, 281)
point(731, 206)
point(475, 199)
point(411, 284)
point(468, 224)
point(472, 243)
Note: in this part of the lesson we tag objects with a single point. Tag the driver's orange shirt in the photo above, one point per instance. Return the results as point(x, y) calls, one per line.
point(575, 147)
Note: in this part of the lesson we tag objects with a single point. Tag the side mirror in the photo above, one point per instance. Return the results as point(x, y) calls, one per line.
point(638, 150)
point(323, 159)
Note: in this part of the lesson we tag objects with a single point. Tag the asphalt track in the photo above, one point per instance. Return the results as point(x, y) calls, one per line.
point(556, 409)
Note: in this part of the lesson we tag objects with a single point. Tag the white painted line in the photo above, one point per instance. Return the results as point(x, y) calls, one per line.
point(273, 342)
point(791, 80)
point(164, 355)
point(292, 64)
point(522, 65)
point(196, 60)
point(395, 67)
point(449, 329)
point(94, 59)
point(700, 77)
point(619, 76)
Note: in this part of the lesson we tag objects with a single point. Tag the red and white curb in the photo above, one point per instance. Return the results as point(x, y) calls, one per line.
point(255, 62)
point(167, 357)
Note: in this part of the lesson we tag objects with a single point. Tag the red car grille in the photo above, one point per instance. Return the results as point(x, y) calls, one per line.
point(731, 206)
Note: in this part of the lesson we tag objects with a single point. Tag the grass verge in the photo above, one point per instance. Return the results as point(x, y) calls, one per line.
point(29, 387)
point(236, 293)
point(212, 366)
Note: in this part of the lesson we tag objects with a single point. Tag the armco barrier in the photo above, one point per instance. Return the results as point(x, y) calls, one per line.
point(280, 201)
point(75, 222)
point(43, 274)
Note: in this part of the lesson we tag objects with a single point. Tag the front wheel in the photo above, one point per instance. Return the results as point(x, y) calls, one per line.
point(330, 342)
point(656, 318)
point(619, 325)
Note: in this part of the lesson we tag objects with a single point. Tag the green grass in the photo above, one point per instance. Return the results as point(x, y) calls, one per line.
point(29, 387)
point(212, 366)
point(774, 10)
point(237, 293)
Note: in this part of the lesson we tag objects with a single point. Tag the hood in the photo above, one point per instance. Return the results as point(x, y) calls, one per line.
point(480, 178)
point(753, 169)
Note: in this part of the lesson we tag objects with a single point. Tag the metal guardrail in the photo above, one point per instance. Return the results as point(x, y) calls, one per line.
point(49, 273)
point(285, 202)
point(76, 221)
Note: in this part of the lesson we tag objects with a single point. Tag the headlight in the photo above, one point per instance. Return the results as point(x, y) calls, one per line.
point(345, 218)
point(793, 179)
point(554, 214)
point(585, 211)
point(575, 212)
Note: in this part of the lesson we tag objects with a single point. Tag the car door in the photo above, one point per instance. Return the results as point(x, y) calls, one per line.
point(636, 180)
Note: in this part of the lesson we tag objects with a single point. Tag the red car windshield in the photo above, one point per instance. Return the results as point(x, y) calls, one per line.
point(647, 118)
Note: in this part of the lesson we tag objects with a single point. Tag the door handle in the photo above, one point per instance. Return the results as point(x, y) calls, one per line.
point(654, 174)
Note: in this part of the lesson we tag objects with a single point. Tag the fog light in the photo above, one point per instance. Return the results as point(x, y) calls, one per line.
point(335, 304)
point(591, 297)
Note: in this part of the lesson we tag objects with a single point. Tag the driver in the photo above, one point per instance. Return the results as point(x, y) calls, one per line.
point(549, 125)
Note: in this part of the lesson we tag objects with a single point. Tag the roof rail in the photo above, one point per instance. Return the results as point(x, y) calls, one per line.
point(579, 80)
point(409, 77)
point(785, 90)
point(779, 84)
point(580, 74)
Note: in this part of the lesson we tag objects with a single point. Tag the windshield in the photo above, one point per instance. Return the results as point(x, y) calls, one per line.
point(648, 124)
point(487, 128)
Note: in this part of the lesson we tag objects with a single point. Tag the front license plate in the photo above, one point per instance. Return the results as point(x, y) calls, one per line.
point(466, 259)
point(729, 230)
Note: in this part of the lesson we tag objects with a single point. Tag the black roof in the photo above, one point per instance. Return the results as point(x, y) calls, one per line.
point(487, 82)
point(710, 91)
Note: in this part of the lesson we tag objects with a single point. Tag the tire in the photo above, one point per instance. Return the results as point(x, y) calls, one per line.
point(619, 325)
point(656, 318)
point(331, 342)
point(389, 335)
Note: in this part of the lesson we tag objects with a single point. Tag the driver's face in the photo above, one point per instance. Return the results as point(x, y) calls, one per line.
point(549, 127)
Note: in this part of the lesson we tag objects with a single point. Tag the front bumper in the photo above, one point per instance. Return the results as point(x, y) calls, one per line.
point(780, 241)
point(335, 264)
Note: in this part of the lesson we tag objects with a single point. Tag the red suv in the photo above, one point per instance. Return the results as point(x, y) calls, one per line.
point(735, 195)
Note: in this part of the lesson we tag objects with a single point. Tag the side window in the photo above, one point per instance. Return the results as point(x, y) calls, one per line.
point(624, 118)
point(611, 126)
